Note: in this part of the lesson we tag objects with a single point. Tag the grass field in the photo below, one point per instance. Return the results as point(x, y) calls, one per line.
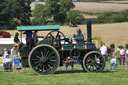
point(63, 77)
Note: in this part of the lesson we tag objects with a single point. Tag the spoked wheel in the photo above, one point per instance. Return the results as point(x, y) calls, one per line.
point(44, 59)
point(93, 62)
point(55, 37)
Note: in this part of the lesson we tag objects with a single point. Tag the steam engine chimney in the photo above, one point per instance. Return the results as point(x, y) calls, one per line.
point(89, 32)
point(90, 45)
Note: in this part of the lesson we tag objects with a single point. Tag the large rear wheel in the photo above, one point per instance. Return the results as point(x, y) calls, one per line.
point(44, 59)
point(93, 62)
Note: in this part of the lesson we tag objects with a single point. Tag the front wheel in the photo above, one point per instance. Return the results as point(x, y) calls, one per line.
point(44, 59)
point(93, 62)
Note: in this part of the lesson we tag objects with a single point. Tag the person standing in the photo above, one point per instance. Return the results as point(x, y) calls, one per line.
point(16, 40)
point(103, 51)
point(122, 55)
point(14, 53)
point(35, 38)
point(126, 56)
point(28, 40)
point(5, 53)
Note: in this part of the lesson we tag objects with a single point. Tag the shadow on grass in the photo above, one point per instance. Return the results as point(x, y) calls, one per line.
point(106, 71)
point(30, 72)
point(69, 71)
point(79, 71)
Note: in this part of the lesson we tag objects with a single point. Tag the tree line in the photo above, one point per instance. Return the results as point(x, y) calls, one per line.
point(18, 12)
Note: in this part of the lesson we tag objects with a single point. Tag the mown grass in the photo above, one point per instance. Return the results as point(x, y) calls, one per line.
point(63, 77)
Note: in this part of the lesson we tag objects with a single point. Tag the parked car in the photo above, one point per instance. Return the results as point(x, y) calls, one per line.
point(4, 34)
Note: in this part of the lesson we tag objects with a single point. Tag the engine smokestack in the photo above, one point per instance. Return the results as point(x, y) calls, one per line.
point(89, 32)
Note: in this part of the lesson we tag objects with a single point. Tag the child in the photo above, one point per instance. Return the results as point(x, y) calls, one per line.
point(113, 63)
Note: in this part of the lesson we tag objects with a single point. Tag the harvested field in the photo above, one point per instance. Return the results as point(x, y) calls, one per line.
point(116, 2)
point(110, 33)
point(93, 7)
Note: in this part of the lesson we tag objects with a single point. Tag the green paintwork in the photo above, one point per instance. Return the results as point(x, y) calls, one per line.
point(71, 46)
point(25, 63)
point(47, 58)
point(80, 37)
point(46, 41)
point(67, 46)
point(23, 52)
point(82, 46)
point(38, 28)
point(24, 57)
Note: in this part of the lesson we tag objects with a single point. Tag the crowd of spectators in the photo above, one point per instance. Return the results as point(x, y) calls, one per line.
point(119, 56)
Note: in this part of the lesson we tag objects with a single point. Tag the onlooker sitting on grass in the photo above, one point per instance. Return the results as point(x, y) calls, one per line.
point(68, 62)
point(113, 63)
point(8, 63)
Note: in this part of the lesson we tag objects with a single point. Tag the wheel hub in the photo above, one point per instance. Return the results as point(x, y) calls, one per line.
point(43, 59)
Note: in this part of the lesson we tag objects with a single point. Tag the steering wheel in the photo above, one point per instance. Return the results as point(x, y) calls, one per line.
point(55, 37)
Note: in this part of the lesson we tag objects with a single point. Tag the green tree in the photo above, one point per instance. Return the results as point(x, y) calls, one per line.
point(100, 42)
point(4, 15)
point(33, 0)
point(41, 16)
point(42, 0)
point(21, 11)
point(126, 46)
point(56, 11)
point(75, 16)
point(15, 12)
point(65, 6)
